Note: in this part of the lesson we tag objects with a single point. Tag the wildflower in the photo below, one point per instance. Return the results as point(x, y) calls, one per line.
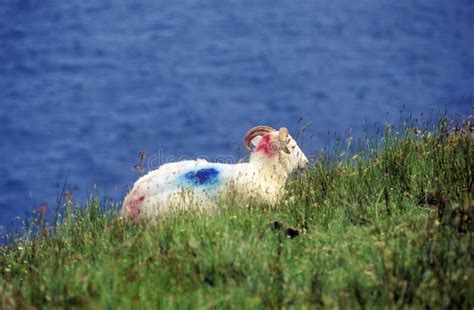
point(42, 210)
point(349, 141)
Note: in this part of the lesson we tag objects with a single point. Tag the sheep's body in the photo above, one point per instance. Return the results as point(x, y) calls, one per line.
point(201, 184)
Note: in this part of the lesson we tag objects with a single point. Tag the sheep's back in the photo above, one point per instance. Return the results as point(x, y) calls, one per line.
point(179, 184)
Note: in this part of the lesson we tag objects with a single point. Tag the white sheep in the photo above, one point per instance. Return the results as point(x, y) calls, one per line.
point(201, 184)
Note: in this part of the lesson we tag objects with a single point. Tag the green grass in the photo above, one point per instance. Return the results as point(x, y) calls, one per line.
point(387, 226)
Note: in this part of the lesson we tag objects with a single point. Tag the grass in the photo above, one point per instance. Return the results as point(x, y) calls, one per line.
point(389, 225)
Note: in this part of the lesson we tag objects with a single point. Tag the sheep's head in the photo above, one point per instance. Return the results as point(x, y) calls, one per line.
point(271, 142)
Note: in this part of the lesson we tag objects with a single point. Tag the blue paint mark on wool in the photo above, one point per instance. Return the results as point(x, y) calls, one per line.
point(206, 176)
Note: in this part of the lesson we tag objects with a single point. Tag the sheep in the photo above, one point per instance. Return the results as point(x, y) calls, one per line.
point(201, 184)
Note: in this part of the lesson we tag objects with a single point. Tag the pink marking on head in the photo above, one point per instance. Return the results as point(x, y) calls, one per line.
point(133, 207)
point(266, 146)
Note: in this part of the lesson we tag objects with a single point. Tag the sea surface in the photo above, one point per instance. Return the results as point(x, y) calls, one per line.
point(86, 85)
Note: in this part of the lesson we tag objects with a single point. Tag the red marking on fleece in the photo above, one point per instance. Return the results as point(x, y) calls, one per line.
point(267, 146)
point(133, 207)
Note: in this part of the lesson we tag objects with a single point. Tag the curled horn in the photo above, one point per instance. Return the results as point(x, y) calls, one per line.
point(256, 131)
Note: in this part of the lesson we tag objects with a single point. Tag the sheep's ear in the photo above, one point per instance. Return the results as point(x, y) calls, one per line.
point(255, 141)
point(284, 138)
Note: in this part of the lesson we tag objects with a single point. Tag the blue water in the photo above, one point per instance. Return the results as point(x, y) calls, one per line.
point(85, 85)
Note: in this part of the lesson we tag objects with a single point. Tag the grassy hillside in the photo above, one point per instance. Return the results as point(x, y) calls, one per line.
point(388, 225)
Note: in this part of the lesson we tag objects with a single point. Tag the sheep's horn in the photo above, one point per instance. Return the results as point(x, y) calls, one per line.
point(256, 131)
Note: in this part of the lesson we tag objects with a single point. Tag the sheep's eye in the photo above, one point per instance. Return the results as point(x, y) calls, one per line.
point(293, 147)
